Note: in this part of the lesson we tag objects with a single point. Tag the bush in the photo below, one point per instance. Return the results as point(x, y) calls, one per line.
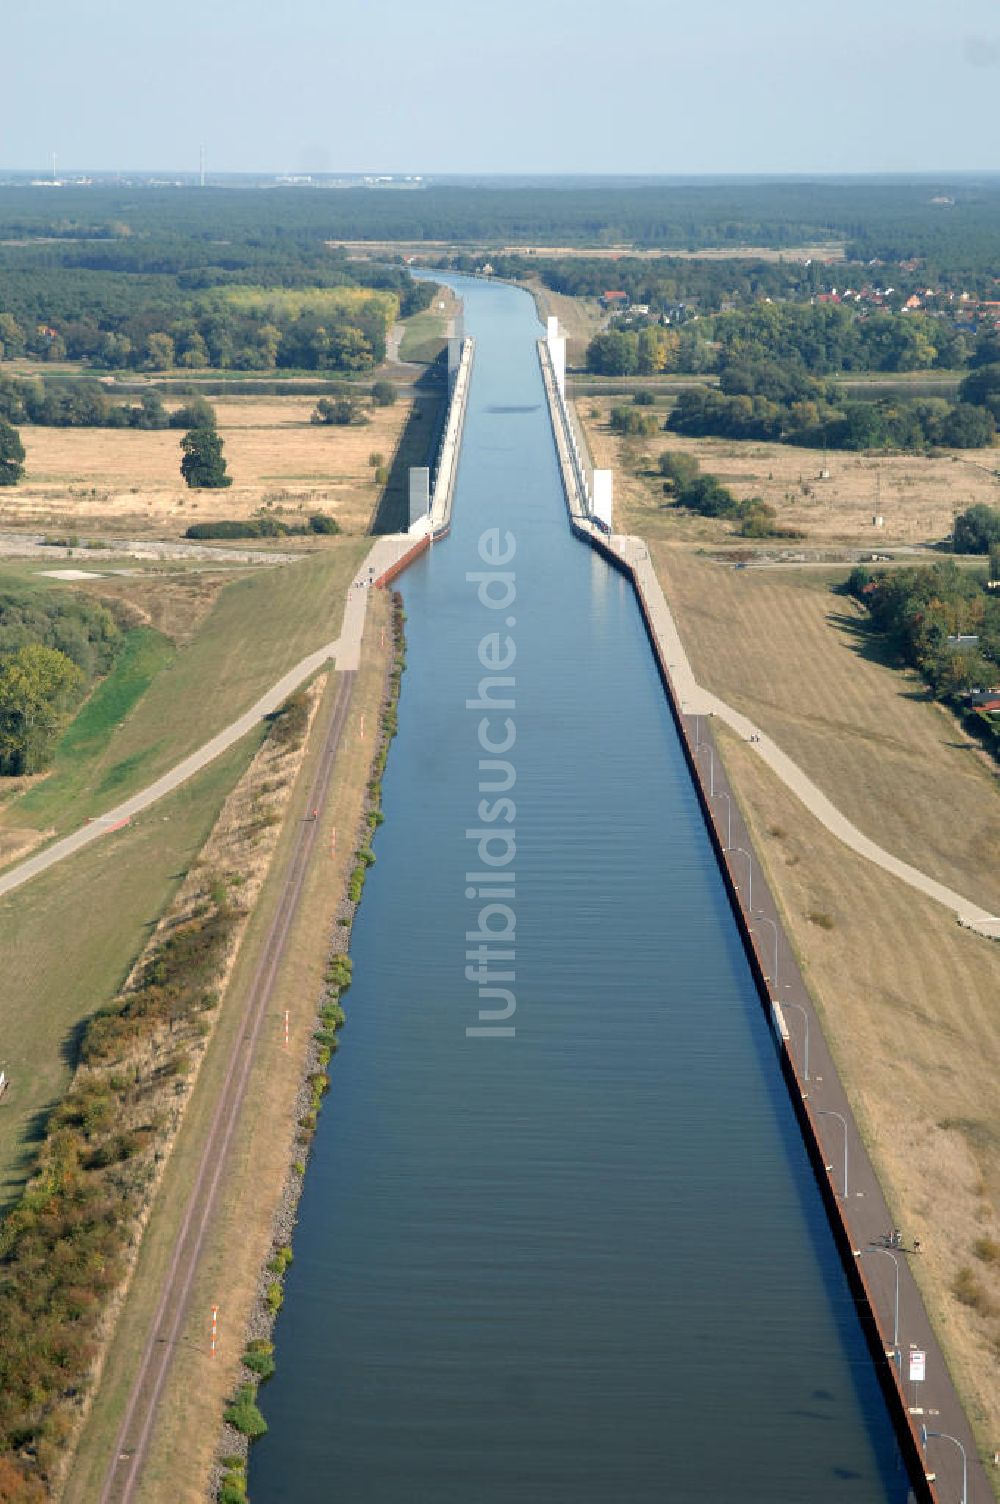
point(259, 1358)
point(643, 399)
point(626, 420)
point(320, 522)
point(383, 393)
point(342, 412)
point(243, 1414)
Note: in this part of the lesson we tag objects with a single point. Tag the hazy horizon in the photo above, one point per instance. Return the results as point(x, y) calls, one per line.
point(898, 87)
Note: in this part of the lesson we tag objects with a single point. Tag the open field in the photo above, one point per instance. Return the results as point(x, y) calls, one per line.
point(87, 478)
point(918, 496)
point(909, 1006)
point(800, 661)
point(240, 1235)
point(101, 904)
point(259, 625)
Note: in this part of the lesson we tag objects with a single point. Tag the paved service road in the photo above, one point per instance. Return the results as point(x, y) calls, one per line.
point(345, 650)
point(698, 701)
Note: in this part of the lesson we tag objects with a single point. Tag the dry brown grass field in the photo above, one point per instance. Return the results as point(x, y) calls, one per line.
point(781, 646)
point(910, 1007)
point(125, 478)
point(918, 496)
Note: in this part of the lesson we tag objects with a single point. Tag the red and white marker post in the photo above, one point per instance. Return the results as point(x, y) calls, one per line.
point(215, 1329)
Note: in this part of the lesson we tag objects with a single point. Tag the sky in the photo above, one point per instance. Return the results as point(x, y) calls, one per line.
point(526, 86)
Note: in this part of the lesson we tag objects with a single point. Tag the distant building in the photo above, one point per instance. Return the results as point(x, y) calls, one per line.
point(614, 299)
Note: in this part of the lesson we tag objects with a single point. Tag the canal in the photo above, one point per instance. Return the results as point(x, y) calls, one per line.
point(587, 1261)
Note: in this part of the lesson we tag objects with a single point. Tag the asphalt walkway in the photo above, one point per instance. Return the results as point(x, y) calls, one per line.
point(696, 700)
point(344, 651)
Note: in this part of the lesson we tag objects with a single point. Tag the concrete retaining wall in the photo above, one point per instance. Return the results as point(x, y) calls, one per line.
point(437, 521)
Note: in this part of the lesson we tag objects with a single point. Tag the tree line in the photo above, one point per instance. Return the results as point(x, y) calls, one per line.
point(85, 403)
point(766, 402)
point(819, 339)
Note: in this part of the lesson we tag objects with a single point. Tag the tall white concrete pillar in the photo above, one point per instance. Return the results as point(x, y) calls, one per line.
point(556, 343)
point(603, 495)
point(420, 492)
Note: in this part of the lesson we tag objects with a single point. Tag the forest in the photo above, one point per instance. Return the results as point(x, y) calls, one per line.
point(238, 297)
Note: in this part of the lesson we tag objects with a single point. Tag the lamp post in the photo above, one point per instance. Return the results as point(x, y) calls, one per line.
point(729, 817)
point(924, 1433)
point(874, 1248)
point(711, 766)
point(749, 858)
point(774, 927)
point(828, 1112)
point(789, 1003)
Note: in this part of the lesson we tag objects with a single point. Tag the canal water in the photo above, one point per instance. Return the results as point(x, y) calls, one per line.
point(586, 1262)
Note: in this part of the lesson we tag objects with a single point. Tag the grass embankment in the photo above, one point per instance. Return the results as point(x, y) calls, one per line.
point(197, 1388)
point(908, 998)
point(69, 937)
point(69, 1241)
point(259, 626)
point(53, 800)
point(425, 334)
point(807, 667)
point(909, 1005)
point(424, 337)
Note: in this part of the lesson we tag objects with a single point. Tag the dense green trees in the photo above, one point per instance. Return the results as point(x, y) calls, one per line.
point(11, 455)
point(85, 403)
point(977, 530)
point(242, 298)
point(51, 647)
point(688, 486)
point(203, 465)
point(923, 613)
point(341, 412)
point(264, 527)
point(816, 414)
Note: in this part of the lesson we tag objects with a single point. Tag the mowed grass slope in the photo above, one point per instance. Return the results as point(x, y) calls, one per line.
point(259, 626)
point(69, 937)
point(89, 734)
point(911, 1008)
point(781, 646)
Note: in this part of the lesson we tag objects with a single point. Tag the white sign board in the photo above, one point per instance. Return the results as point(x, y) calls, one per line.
point(918, 1365)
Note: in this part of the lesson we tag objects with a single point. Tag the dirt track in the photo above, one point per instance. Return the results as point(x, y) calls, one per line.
point(134, 1434)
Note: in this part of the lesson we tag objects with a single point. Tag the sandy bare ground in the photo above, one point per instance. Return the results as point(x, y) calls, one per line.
point(92, 477)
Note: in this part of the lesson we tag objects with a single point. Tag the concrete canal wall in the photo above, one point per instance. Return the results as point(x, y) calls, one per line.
point(854, 1200)
point(440, 489)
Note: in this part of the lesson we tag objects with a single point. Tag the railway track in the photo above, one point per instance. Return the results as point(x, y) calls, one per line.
point(135, 1432)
